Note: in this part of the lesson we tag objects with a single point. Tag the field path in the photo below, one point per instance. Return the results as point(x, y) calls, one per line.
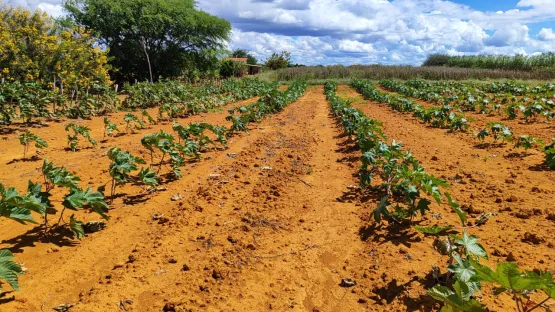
point(258, 227)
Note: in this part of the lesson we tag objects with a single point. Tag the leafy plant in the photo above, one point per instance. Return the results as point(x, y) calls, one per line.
point(121, 165)
point(27, 138)
point(151, 121)
point(109, 127)
point(497, 131)
point(78, 199)
point(148, 177)
point(73, 133)
point(527, 142)
point(133, 122)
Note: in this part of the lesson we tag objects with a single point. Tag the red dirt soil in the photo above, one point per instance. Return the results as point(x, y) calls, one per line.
point(271, 223)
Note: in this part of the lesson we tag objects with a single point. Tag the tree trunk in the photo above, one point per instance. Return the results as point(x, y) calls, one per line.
point(148, 60)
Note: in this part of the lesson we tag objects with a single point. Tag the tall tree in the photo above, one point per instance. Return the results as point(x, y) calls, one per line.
point(241, 53)
point(148, 39)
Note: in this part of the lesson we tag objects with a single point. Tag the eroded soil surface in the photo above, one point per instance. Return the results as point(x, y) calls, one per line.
point(275, 222)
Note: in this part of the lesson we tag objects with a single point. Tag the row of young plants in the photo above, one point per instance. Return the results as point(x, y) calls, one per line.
point(479, 98)
point(444, 116)
point(175, 151)
point(174, 97)
point(270, 103)
point(29, 101)
point(166, 151)
point(495, 130)
point(500, 132)
point(407, 191)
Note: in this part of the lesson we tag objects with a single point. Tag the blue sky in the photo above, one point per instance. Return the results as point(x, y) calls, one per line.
point(378, 31)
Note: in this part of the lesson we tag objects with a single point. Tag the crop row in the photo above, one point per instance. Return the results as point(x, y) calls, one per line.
point(496, 130)
point(477, 97)
point(165, 151)
point(444, 116)
point(403, 182)
point(29, 101)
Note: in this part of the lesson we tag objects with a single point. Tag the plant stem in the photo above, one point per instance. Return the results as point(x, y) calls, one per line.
point(539, 304)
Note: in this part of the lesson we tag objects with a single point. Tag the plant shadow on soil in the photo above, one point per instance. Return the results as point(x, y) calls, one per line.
point(540, 167)
point(28, 159)
point(61, 237)
point(393, 291)
point(4, 297)
point(392, 233)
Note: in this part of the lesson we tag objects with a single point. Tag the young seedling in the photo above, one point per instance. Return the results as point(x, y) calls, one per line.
point(149, 118)
point(73, 133)
point(109, 127)
point(527, 142)
point(27, 138)
point(121, 165)
point(133, 123)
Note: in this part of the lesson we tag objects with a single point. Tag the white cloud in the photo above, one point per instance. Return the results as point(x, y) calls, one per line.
point(546, 34)
point(367, 31)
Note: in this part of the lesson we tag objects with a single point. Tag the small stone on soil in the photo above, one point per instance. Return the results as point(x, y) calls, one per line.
point(347, 282)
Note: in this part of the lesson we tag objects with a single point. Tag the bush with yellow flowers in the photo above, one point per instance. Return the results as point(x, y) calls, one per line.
point(39, 52)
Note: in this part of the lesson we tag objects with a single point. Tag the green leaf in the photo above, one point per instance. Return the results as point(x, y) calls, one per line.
point(455, 301)
point(78, 199)
point(76, 227)
point(471, 246)
point(381, 210)
point(464, 271)
point(509, 276)
point(9, 270)
point(148, 177)
point(457, 208)
point(434, 230)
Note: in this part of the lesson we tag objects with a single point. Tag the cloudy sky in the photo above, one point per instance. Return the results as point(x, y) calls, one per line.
point(378, 31)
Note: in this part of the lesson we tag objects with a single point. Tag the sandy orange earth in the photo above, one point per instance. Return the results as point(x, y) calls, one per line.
point(273, 222)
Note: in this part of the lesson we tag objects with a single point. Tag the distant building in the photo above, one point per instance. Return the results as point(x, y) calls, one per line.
point(252, 69)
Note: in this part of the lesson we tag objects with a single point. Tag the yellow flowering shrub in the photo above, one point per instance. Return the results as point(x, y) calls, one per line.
point(35, 48)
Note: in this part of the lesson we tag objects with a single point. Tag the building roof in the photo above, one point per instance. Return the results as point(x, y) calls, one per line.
point(237, 59)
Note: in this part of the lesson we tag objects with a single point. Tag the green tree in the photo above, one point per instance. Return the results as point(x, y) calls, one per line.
point(231, 68)
point(279, 60)
point(241, 53)
point(149, 39)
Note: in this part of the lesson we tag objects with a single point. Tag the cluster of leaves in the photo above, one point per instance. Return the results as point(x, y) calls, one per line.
point(109, 127)
point(133, 123)
point(74, 131)
point(270, 103)
point(27, 138)
point(497, 131)
point(439, 117)
point(122, 164)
